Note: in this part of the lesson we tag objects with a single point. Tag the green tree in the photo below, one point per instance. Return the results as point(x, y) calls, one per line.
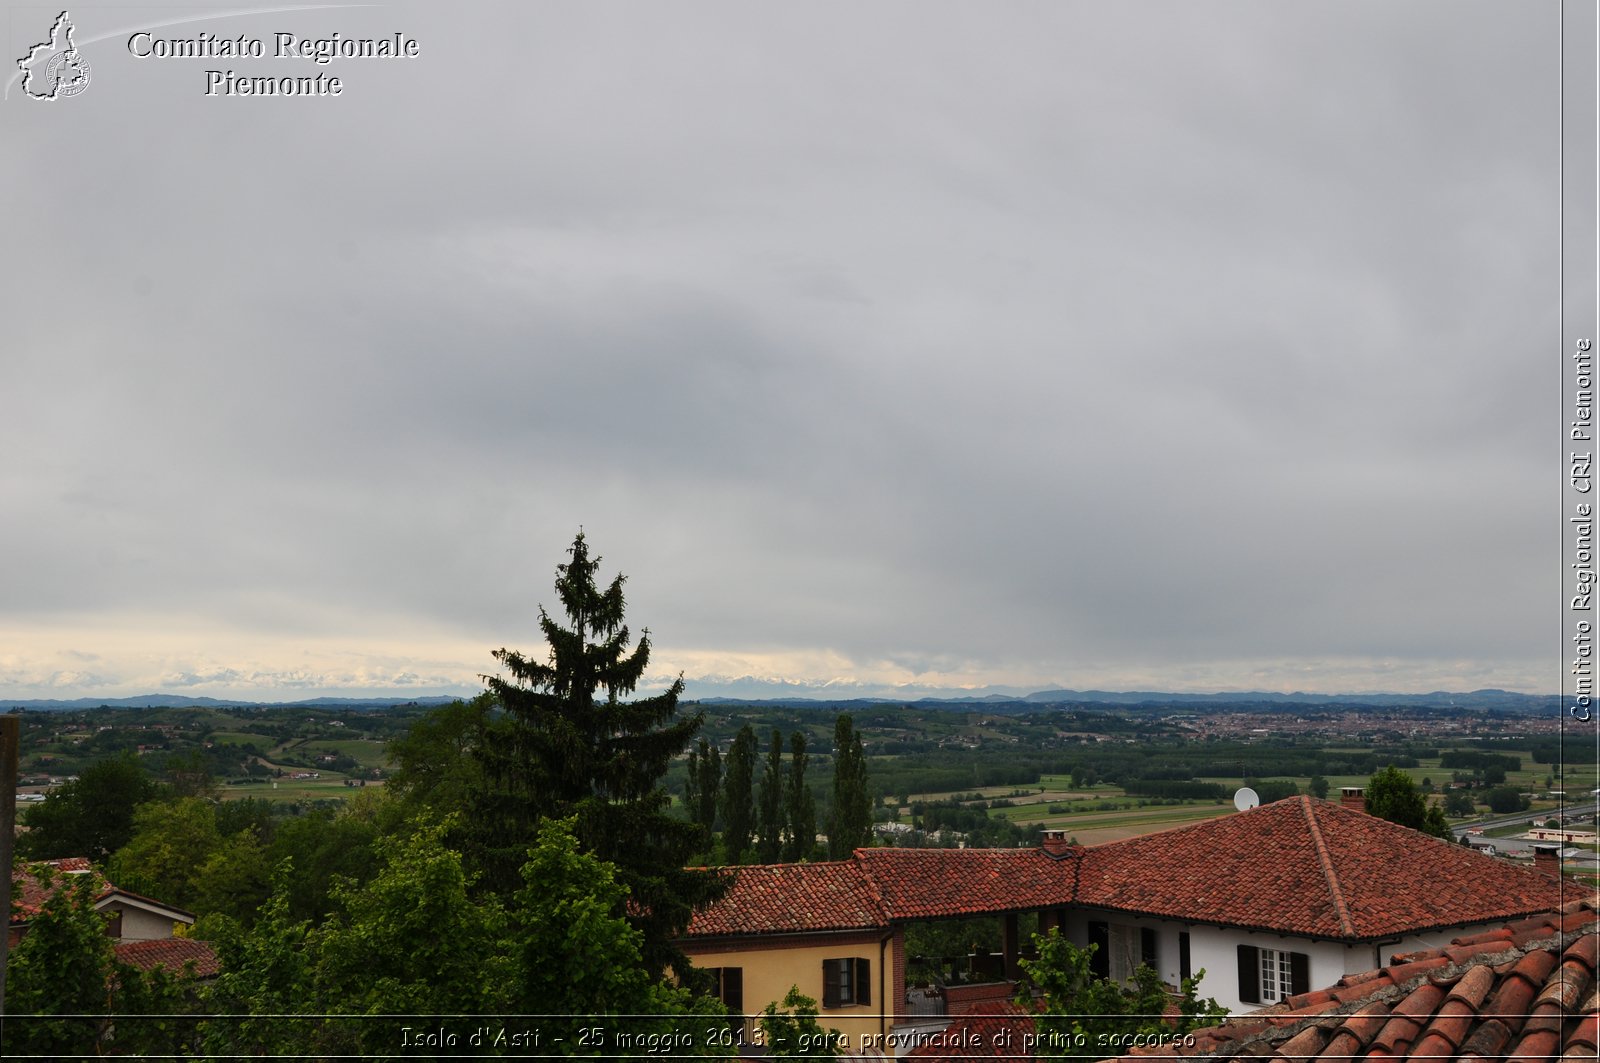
point(435, 762)
point(738, 799)
point(411, 942)
point(850, 817)
point(572, 956)
point(705, 785)
point(769, 806)
point(567, 744)
point(323, 845)
point(67, 996)
point(1318, 787)
point(91, 815)
point(1080, 1013)
point(1392, 795)
point(1458, 803)
point(800, 805)
point(1505, 799)
point(268, 973)
point(171, 843)
point(236, 878)
point(61, 967)
point(794, 1032)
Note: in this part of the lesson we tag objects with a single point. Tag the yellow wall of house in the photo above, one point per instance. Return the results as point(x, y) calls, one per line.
point(770, 971)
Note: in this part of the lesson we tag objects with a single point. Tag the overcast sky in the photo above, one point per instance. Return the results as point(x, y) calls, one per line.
point(917, 347)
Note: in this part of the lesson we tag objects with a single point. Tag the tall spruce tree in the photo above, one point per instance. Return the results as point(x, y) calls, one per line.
point(769, 804)
point(738, 800)
point(800, 805)
point(850, 818)
point(567, 745)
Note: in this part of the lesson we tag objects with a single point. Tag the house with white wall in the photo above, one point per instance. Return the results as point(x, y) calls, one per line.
point(1268, 902)
point(129, 916)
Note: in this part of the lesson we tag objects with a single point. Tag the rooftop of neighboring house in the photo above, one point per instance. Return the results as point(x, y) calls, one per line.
point(1526, 991)
point(1310, 868)
point(1298, 866)
point(792, 899)
point(29, 891)
point(171, 953)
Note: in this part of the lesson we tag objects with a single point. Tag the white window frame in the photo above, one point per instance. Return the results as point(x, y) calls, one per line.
point(1277, 975)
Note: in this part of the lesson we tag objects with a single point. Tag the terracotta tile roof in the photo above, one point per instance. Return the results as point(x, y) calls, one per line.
point(28, 893)
point(792, 899)
point(172, 953)
point(935, 883)
point(997, 1030)
point(1524, 992)
point(1311, 868)
point(1298, 866)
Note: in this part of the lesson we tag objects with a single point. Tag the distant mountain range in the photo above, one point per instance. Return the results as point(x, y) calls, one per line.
point(1479, 700)
point(181, 701)
point(1260, 701)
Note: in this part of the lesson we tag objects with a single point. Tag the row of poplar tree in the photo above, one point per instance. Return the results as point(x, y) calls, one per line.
point(775, 820)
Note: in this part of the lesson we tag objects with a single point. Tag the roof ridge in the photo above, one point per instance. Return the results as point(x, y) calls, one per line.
point(1345, 923)
point(865, 871)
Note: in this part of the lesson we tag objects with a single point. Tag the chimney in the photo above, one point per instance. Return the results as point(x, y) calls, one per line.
point(1547, 858)
point(1056, 844)
point(1353, 797)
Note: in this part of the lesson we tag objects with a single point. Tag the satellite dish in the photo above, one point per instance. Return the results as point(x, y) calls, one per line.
point(1245, 798)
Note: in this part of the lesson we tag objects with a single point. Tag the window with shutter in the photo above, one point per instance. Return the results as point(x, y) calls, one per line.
point(1100, 961)
point(1249, 974)
point(730, 987)
point(832, 971)
point(1149, 950)
point(846, 982)
point(1267, 976)
point(1185, 963)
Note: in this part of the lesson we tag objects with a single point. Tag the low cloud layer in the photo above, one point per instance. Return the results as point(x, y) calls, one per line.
point(898, 348)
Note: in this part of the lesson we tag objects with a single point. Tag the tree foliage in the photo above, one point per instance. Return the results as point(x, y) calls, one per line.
point(61, 967)
point(738, 800)
point(769, 803)
point(171, 845)
point(800, 805)
point(67, 995)
point(850, 816)
point(91, 815)
point(567, 745)
point(704, 788)
point(435, 761)
point(1081, 1013)
point(1392, 795)
point(790, 1030)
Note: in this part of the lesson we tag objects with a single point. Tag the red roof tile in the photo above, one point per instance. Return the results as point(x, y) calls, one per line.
point(1298, 866)
point(792, 899)
point(934, 883)
point(1312, 868)
point(1474, 1008)
point(35, 880)
point(172, 953)
point(993, 1030)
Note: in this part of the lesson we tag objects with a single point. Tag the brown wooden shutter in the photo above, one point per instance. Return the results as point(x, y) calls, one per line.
point(863, 984)
point(831, 969)
point(1249, 974)
point(1299, 973)
point(1100, 962)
